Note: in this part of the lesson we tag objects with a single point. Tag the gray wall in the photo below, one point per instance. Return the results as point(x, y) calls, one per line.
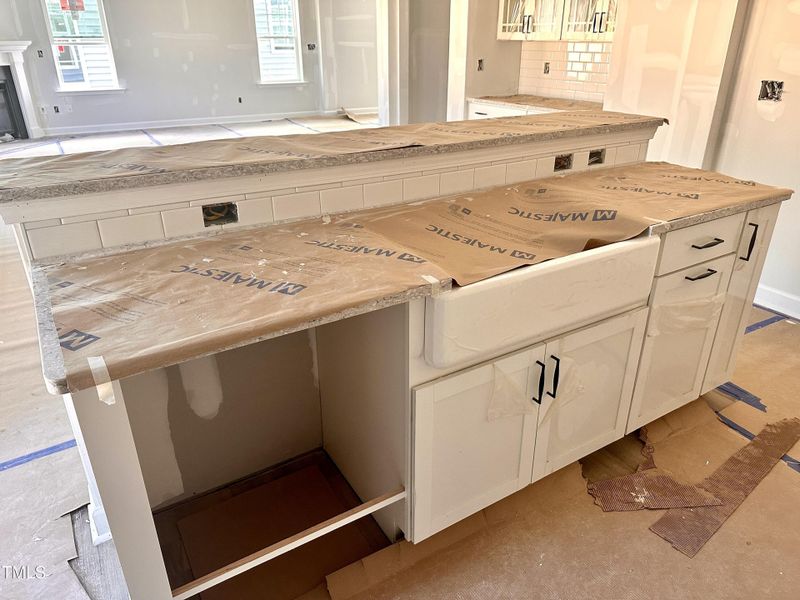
point(500, 58)
point(429, 37)
point(183, 61)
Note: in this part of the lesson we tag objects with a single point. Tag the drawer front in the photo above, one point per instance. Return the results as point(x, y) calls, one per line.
point(476, 110)
point(700, 243)
point(473, 439)
point(498, 315)
point(684, 313)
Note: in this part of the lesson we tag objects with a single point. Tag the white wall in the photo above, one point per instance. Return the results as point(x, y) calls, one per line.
point(184, 61)
point(429, 38)
point(761, 140)
point(667, 61)
point(500, 58)
point(349, 54)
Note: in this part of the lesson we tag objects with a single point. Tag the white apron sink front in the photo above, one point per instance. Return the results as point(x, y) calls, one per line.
point(470, 324)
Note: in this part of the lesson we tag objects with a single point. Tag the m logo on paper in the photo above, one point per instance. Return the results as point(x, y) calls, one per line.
point(76, 340)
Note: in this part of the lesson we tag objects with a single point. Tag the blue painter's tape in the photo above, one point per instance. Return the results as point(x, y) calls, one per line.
point(792, 463)
point(152, 139)
point(734, 391)
point(21, 460)
point(764, 323)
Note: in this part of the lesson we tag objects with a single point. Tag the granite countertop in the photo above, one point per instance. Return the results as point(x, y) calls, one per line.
point(540, 102)
point(166, 303)
point(28, 179)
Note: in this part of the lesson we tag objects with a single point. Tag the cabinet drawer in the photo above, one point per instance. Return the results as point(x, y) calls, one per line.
point(699, 243)
point(684, 313)
point(503, 313)
point(477, 110)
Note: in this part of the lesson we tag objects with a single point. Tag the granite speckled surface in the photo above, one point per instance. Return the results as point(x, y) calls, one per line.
point(652, 198)
point(29, 179)
point(533, 101)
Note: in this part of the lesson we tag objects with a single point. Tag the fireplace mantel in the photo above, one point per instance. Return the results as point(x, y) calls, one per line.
point(11, 54)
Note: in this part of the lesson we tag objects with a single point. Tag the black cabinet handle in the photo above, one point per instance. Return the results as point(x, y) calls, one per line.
point(711, 244)
point(594, 23)
point(555, 377)
point(752, 242)
point(477, 112)
point(541, 383)
point(600, 26)
point(708, 273)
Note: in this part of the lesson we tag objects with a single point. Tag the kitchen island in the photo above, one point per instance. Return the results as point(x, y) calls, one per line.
point(462, 348)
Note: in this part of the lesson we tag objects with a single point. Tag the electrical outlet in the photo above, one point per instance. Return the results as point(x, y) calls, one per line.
point(480, 64)
point(771, 90)
point(546, 68)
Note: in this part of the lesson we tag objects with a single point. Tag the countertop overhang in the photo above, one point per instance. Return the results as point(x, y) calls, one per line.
point(164, 304)
point(25, 180)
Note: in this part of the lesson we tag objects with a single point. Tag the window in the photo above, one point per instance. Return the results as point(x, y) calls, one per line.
point(81, 46)
point(278, 34)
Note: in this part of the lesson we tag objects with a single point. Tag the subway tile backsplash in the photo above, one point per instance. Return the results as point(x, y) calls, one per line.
point(578, 70)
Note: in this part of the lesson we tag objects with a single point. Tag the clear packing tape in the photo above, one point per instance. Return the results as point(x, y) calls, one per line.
point(684, 316)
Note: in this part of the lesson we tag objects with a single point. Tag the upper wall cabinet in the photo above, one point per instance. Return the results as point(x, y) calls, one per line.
point(589, 20)
point(530, 19)
point(572, 20)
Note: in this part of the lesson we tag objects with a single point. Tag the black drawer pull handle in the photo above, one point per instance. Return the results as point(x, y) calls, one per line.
point(541, 383)
point(555, 377)
point(711, 244)
point(708, 273)
point(481, 113)
point(752, 244)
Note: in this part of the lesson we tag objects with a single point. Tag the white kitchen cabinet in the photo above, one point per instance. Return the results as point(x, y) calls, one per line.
point(588, 386)
point(473, 439)
point(488, 110)
point(752, 252)
point(684, 313)
point(528, 20)
point(592, 20)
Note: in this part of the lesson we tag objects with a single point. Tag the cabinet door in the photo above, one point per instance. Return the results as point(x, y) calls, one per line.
point(530, 19)
point(589, 20)
point(473, 439)
point(684, 312)
point(544, 19)
point(512, 19)
point(588, 386)
point(752, 252)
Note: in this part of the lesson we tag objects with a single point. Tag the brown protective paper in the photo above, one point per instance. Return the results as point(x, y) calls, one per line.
point(153, 307)
point(688, 530)
point(41, 177)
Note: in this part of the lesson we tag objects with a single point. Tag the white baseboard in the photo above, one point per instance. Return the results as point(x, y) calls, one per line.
point(779, 301)
point(210, 120)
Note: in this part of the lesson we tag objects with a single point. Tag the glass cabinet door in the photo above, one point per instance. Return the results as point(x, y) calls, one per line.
point(530, 19)
point(589, 20)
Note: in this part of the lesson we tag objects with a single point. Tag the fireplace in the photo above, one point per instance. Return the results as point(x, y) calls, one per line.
point(11, 119)
point(18, 116)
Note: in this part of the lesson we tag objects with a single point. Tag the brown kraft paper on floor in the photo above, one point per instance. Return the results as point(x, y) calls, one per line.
point(689, 529)
point(649, 487)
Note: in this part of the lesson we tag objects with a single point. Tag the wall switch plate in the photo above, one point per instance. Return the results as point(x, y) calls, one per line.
point(771, 90)
point(546, 68)
point(480, 64)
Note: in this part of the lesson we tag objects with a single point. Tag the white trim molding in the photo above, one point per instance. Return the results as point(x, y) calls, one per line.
point(778, 301)
point(11, 54)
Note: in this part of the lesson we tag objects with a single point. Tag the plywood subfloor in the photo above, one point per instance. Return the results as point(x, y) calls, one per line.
point(213, 530)
point(550, 541)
